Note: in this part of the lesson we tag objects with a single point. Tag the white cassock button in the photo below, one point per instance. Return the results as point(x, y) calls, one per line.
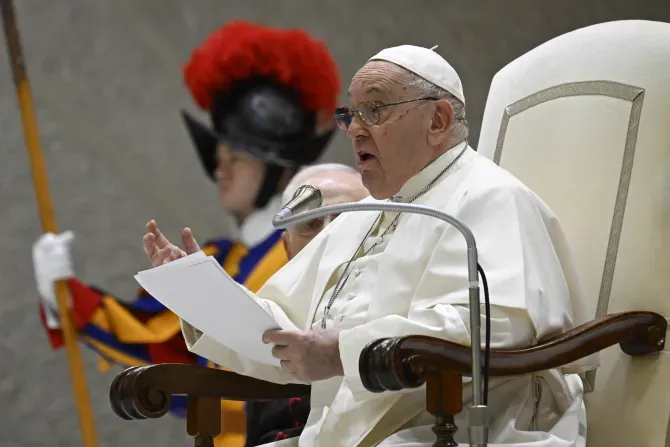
point(350, 296)
point(357, 272)
point(340, 318)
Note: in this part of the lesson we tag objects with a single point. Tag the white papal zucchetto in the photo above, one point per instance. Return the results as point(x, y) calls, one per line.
point(426, 63)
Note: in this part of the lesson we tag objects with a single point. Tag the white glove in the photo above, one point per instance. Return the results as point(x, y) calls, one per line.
point(52, 262)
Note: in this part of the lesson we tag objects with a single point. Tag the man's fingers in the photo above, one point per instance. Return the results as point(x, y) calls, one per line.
point(167, 254)
point(293, 369)
point(281, 352)
point(288, 366)
point(161, 240)
point(163, 256)
point(160, 256)
point(151, 226)
point(177, 253)
point(149, 244)
point(188, 241)
point(279, 337)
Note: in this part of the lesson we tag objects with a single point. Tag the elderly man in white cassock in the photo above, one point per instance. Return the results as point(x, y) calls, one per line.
point(371, 275)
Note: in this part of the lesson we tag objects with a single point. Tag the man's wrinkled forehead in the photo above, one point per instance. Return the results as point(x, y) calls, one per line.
point(377, 78)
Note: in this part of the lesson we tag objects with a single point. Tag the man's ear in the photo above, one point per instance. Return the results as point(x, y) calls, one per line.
point(441, 122)
point(285, 243)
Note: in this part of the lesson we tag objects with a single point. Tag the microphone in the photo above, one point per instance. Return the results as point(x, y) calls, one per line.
point(305, 198)
point(306, 205)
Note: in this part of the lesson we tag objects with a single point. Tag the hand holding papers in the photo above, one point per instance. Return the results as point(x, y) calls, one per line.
point(200, 292)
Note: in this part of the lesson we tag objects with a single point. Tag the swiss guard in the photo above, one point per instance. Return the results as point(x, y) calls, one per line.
point(269, 95)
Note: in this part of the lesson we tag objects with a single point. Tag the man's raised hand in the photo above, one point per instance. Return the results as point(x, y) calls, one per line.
point(161, 251)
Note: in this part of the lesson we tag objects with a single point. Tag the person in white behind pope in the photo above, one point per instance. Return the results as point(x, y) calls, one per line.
point(372, 275)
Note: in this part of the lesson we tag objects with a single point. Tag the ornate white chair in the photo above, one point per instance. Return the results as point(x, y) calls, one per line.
point(584, 120)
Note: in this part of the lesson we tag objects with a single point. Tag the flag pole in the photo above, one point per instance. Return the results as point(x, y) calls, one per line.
point(47, 218)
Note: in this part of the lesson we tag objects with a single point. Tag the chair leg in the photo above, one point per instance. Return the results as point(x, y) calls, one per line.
point(444, 400)
point(203, 419)
point(204, 441)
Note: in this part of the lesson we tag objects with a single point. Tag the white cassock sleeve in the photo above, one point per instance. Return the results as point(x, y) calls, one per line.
point(519, 262)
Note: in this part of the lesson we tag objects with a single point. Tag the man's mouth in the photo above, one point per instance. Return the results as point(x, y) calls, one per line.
point(364, 156)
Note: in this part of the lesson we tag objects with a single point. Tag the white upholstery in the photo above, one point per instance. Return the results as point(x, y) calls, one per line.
point(602, 86)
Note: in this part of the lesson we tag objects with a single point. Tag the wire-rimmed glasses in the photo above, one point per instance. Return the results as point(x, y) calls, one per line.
point(368, 111)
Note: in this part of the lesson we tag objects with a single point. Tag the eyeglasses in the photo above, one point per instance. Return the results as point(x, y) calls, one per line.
point(313, 226)
point(367, 111)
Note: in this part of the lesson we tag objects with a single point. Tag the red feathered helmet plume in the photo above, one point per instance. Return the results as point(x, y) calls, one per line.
point(266, 91)
point(240, 50)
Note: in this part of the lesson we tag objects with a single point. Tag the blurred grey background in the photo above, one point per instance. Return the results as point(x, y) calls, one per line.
point(106, 80)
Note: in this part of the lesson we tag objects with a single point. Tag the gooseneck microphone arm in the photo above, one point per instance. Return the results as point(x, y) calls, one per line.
point(308, 197)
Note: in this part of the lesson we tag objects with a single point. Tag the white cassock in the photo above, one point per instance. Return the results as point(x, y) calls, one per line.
point(414, 281)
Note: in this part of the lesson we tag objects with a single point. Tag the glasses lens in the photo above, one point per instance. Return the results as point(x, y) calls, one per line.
point(369, 112)
point(342, 117)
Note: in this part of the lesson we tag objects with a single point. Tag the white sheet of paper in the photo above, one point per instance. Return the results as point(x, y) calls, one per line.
point(198, 290)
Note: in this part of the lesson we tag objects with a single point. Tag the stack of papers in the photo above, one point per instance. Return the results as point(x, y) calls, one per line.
point(200, 292)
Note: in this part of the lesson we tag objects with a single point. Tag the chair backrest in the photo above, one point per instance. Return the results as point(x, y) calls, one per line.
point(584, 120)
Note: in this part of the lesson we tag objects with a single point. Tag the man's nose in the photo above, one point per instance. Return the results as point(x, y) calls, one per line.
point(356, 128)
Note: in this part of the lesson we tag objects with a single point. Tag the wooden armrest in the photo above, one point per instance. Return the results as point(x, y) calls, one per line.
point(144, 392)
point(398, 363)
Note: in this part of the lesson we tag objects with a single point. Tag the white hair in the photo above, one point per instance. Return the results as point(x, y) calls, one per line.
point(460, 128)
point(309, 172)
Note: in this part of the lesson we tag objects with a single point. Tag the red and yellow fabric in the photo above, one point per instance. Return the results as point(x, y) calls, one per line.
point(145, 332)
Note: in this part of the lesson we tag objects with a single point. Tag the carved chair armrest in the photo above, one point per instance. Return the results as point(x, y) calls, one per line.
point(145, 392)
point(404, 362)
point(409, 362)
